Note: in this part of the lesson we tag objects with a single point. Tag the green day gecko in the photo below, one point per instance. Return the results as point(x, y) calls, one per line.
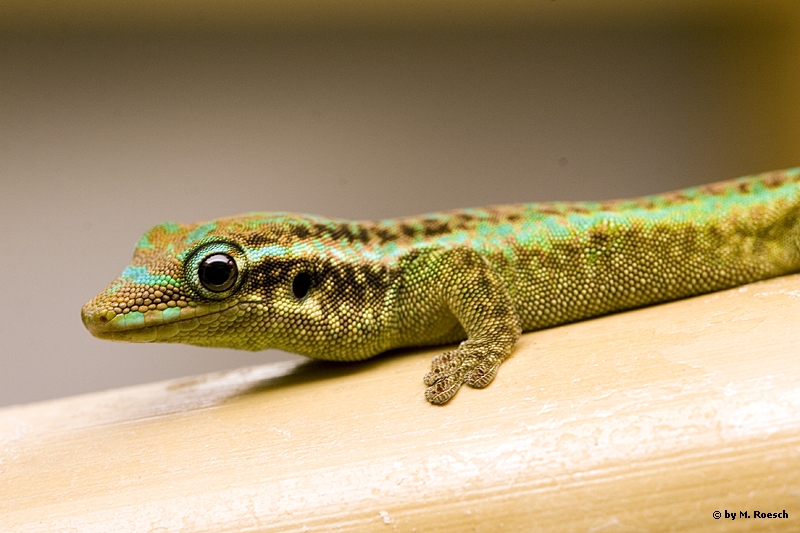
point(345, 291)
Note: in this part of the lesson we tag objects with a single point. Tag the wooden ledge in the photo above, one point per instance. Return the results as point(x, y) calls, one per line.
point(649, 420)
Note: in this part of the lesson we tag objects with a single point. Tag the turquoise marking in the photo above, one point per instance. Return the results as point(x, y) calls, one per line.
point(460, 238)
point(135, 273)
point(171, 227)
point(485, 229)
point(144, 242)
point(319, 246)
point(555, 228)
point(166, 227)
point(274, 250)
point(582, 222)
point(200, 232)
point(338, 254)
point(171, 313)
point(297, 249)
point(141, 276)
point(133, 320)
point(389, 250)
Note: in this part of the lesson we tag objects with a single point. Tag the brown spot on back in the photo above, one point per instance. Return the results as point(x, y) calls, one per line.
point(774, 180)
point(577, 208)
point(715, 189)
point(676, 197)
point(385, 235)
point(609, 205)
point(645, 203)
point(407, 230)
point(432, 228)
point(301, 232)
point(463, 219)
point(548, 209)
point(348, 232)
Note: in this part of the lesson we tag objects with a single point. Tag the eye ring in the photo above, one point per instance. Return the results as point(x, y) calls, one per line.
point(218, 272)
point(301, 284)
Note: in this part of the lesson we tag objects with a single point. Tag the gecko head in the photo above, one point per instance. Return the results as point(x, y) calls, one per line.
point(251, 282)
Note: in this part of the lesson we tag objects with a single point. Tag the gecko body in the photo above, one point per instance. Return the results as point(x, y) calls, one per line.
point(342, 290)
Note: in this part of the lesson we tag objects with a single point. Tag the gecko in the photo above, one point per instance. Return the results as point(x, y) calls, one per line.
point(344, 291)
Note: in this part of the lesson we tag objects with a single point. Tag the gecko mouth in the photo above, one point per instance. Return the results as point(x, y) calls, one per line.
point(152, 325)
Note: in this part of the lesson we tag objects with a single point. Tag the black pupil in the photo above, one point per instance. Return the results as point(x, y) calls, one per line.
point(218, 272)
point(301, 284)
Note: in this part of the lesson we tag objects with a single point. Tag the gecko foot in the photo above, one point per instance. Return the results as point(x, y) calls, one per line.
point(473, 364)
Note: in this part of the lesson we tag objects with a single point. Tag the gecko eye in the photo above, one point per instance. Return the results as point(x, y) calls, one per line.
point(301, 284)
point(218, 272)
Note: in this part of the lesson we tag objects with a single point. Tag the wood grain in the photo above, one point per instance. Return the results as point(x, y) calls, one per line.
point(649, 420)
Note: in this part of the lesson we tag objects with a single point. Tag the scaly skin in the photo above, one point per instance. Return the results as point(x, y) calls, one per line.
point(344, 291)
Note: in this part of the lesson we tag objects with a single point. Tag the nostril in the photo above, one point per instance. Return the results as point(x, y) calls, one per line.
point(103, 319)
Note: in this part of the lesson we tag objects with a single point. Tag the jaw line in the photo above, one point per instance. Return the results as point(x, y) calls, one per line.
point(152, 326)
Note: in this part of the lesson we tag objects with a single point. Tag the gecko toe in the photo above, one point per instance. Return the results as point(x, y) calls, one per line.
point(482, 375)
point(472, 364)
point(443, 366)
point(441, 391)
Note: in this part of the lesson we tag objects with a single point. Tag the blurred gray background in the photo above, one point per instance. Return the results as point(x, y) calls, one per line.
point(115, 117)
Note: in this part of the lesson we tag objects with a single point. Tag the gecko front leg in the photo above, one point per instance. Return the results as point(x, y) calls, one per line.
point(461, 283)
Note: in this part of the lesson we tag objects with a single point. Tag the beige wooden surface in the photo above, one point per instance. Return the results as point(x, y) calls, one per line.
point(643, 421)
